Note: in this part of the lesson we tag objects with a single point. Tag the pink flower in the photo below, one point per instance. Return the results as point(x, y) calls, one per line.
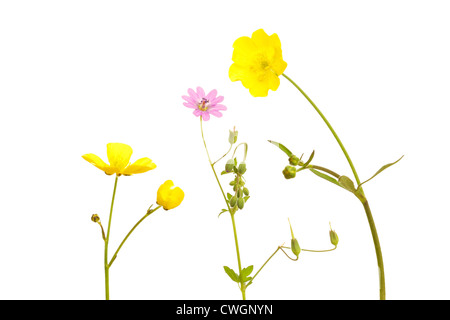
point(204, 105)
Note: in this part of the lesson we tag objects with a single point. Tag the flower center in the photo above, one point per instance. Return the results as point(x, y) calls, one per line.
point(203, 105)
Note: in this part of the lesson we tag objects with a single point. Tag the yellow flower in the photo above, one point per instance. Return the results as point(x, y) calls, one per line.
point(119, 155)
point(258, 62)
point(169, 196)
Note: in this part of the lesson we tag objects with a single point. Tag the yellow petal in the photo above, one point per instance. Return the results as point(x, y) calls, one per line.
point(119, 155)
point(169, 196)
point(261, 39)
point(139, 166)
point(99, 163)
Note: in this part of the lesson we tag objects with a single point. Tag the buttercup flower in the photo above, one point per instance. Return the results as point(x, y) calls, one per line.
point(169, 196)
point(119, 155)
point(258, 63)
point(204, 104)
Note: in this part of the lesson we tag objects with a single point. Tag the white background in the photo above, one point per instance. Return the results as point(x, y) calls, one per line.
point(75, 75)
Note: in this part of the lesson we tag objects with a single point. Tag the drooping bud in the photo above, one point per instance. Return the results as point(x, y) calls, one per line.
point(229, 165)
point(242, 168)
point(333, 237)
point(232, 138)
point(293, 160)
point(95, 218)
point(295, 247)
point(289, 172)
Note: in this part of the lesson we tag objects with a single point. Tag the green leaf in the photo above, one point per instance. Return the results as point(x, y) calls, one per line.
point(347, 183)
point(381, 169)
point(283, 148)
point(223, 210)
point(309, 160)
point(231, 274)
point(245, 273)
point(325, 176)
point(229, 195)
point(246, 198)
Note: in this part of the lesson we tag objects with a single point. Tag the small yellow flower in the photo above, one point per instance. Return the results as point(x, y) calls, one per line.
point(119, 155)
point(258, 63)
point(169, 196)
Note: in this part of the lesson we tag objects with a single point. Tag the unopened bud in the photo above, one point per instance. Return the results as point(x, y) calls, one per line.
point(289, 172)
point(229, 165)
point(239, 193)
point(295, 247)
point(95, 218)
point(232, 138)
point(242, 168)
point(333, 237)
point(293, 160)
point(246, 192)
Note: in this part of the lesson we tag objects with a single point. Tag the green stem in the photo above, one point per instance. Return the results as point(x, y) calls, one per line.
point(129, 233)
point(373, 229)
point(107, 241)
point(229, 210)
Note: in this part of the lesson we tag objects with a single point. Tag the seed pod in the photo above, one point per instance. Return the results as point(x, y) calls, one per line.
point(233, 201)
point(246, 192)
point(239, 193)
point(240, 203)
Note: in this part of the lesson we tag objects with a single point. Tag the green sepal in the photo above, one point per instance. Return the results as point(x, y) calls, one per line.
point(224, 172)
point(282, 148)
point(233, 275)
point(380, 170)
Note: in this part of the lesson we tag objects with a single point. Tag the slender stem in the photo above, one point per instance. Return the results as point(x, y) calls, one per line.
point(329, 127)
point(319, 250)
point(265, 264)
point(223, 155)
point(373, 229)
point(107, 241)
point(229, 210)
point(129, 233)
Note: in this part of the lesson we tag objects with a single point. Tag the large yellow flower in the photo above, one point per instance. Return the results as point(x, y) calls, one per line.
point(258, 63)
point(169, 196)
point(119, 155)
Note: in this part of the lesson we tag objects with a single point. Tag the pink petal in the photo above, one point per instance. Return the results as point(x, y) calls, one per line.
point(215, 113)
point(219, 99)
point(189, 105)
point(205, 116)
point(189, 99)
point(212, 94)
point(193, 95)
point(197, 112)
point(218, 107)
point(200, 92)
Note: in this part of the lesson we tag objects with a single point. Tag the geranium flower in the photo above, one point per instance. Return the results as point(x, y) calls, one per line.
point(169, 196)
point(204, 104)
point(258, 63)
point(119, 155)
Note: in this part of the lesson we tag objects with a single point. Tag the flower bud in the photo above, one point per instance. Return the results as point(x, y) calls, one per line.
point(293, 160)
point(229, 165)
point(289, 172)
point(239, 193)
point(95, 218)
point(242, 168)
point(232, 138)
point(334, 237)
point(246, 192)
point(295, 247)
point(240, 203)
